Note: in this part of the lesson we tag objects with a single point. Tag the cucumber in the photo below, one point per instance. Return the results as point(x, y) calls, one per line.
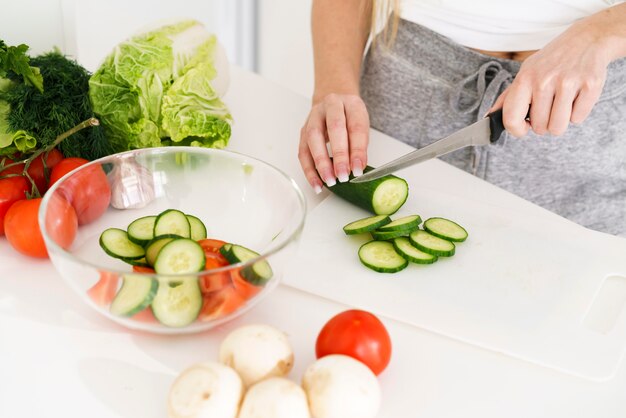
point(405, 249)
point(258, 273)
point(386, 236)
point(197, 228)
point(154, 246)
point(177, 303)
point(431, 244)
point(172, 222)
point(141, 231)
point(383, 196)
point(407, 223)
point(180, 256)
point(446, 229)
point(115, 242)
point(141, 262)
point(382, 257)
point(366, 224)
point(135, 295)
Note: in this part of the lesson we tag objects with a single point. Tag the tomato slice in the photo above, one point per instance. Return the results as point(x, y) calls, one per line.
point(105, 289)
point(220, 303)
point(212, 282)
point(245, 289)
point(142, 269)
point(144, 316)
point(211, 245)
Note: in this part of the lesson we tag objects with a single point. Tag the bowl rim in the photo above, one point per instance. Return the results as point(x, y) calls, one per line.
point(164, 150)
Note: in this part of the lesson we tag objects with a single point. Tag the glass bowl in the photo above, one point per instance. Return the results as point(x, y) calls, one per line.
point(242, 201)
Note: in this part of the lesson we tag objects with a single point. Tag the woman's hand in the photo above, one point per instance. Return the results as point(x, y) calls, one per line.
point(563, 81)
point(342, 121)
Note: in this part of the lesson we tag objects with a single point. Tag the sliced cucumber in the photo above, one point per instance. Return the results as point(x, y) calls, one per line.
point(431, 244)
point(141, 231)
point(383, 196)
point(258, 273)
point(446, 229)
point(141, 262)
point(407, 223)
point(154, 246)
point(135, 295)
point(197, 228)
point(405, 249)
point(180, 256)
point(386, 236)
point(172, 222)
point(115, 242)
point(177, 302)
point(366, 224)
point(382, 257)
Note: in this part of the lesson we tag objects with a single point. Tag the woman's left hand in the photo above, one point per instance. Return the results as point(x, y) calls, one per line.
point(561, 82)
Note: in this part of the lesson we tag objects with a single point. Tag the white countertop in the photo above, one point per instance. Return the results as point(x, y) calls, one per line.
point(60, 358)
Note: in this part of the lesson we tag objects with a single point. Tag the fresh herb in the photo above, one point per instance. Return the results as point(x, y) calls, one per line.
point(15, 62)
point(63, 104)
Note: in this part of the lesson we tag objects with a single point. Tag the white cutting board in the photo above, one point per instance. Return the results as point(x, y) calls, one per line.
point(518, 285)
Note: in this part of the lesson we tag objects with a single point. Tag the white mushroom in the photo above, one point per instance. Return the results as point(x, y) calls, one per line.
point(339, 386)
point(257, 352)
point(275, 397)
point(205, 390)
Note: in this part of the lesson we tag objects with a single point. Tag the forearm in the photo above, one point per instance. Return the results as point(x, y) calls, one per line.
point(608, 30)
point(340, 30)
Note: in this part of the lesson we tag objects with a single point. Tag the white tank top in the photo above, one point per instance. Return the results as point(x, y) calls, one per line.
point(500, 25)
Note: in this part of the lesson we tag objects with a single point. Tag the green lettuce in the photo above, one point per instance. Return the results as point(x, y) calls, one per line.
point(163, 87)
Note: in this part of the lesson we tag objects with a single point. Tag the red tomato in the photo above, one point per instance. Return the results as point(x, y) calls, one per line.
point(357, 334)
point(88, 191)
point(37, 172)
point(18, 169)
point(142, 269)
point(144, 316)
point(220, 303)
point(22, 227)
point(244, 288)
point(211, 282)
point(212, 246)
point(103, 292)
point(12, 189)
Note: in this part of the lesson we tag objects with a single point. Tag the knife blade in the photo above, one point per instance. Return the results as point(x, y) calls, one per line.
point(483, 132)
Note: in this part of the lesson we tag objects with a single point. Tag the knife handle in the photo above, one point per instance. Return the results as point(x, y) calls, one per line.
point(497, 126)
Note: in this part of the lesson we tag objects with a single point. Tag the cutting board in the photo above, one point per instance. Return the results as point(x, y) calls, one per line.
point(519, 285)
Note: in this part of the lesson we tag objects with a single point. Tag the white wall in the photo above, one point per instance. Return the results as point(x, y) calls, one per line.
point(285, 53)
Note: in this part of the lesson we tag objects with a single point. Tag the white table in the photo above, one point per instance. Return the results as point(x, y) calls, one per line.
point(60, 358)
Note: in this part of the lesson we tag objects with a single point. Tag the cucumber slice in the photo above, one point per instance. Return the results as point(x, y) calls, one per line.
point(115, 242)
point(141, 231)
point(366, 224)
point(172, 222)
point(405, 249)
point(446, 229)
point(407, 223)
point(177, 302)
point(135, 295)
point(180, 256)
point(386, 236)
point(258, 273)
point(154, 246)
point(141, 262)
point(383, 196)
point(198, 230)
point(431, 244)
point(380, 256)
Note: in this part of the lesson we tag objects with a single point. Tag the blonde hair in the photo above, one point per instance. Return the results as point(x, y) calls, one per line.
point(385, 18)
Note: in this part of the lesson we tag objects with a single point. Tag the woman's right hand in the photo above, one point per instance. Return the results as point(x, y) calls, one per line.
point(341, 120)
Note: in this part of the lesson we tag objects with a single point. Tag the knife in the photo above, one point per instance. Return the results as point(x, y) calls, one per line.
point(484, 132)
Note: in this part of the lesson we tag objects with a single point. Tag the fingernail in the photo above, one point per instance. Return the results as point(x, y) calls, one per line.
point(343, 177)
point(357, 168)
point(317, 189)
point(330, 181)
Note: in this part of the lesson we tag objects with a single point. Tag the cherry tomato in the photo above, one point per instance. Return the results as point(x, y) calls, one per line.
point(37, 172)
point(12, 189)
point(22, 227)
point(17, 169)
point(88, 191)
point(357, 334)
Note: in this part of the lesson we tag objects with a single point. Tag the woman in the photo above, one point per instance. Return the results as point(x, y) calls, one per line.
point(440, 66)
